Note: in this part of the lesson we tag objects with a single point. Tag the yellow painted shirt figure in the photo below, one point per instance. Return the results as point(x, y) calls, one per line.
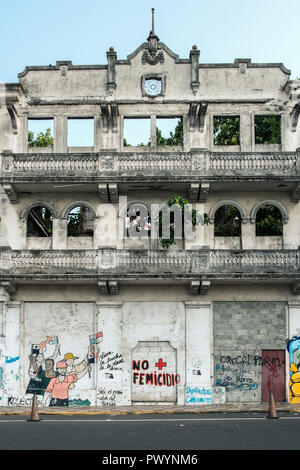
point(295, 384)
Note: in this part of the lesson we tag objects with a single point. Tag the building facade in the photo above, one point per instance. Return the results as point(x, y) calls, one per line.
point(94, 309)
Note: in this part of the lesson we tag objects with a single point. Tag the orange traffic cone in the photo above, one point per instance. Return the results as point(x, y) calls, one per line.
point(272, 411)
point(34, 410)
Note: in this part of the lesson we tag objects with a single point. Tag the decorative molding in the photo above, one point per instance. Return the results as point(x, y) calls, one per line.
point(24, 213)
point(295, 195)
point(194, 58)
point(11, 192)
point(111, 70)
point(198, 287)
point(109, 117)
point(108, 287)
point(284, 213)
point(295, 115)
point(13, 117)
point(239, 207)
point(65, 212)
point(204, 190)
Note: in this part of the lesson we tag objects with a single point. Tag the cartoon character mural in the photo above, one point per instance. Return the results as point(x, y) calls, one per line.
point(54, 385)
point(293, 347)
point(40, 377)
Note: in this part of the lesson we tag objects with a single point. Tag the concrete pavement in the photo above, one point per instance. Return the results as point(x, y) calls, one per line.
point(153, 409)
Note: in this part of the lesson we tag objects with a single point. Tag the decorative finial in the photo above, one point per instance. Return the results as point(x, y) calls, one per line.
point(152, 20)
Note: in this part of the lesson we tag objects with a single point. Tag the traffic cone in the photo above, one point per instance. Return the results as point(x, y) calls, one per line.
point(34, 410)
point(272, 411)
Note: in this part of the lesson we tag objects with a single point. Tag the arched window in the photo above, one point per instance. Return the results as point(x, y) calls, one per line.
point(269, 221)
point(39, 222)
point(227, 222)
point(80, 222)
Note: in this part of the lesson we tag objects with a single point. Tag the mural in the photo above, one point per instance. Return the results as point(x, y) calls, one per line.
point(53, 383)
point(293, 348)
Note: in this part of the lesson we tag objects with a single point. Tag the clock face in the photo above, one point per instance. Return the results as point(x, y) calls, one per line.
point(153, 86)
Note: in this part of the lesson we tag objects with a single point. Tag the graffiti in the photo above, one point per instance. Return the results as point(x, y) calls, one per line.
point(246, 384)
point(109, 376)
point(251, 360)
point(108, 397)
point(237, 373)
point(196, 372)
point(79, 402)
point(14, 401)
point(293, 347)
point(111, 361)
point(153, 378)
point(10, 359)
point(198, 395)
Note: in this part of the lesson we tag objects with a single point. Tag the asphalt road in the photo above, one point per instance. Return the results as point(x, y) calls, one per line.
point(152, 432)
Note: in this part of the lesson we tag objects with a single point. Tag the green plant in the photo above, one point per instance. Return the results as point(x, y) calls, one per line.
point(183, 204)
point(43, 139)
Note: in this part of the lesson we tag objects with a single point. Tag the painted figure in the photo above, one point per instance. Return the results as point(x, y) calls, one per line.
point(40, 377)
point(58, 387)
point(293, 347)
point(82, 367)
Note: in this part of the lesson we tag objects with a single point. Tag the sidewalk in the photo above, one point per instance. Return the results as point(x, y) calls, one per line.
point(153, 409)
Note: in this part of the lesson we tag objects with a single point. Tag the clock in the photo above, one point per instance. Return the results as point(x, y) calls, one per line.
point(153, 86)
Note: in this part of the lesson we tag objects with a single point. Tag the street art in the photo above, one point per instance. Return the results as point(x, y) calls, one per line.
point(108, 397)
point(236, 373)
point(153, 378)
point(111, 361)
point(293, 348)
point(198, 395)
point(10, 359)
point(54, 385)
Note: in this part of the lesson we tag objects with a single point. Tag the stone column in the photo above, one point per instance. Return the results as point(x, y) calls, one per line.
point(114, 371)
point(199, 363)
point(59, 235)
point(11, 335)
point(60, 134)
point(248, 236)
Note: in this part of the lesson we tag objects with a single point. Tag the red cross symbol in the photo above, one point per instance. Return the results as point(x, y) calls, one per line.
point(160, 364)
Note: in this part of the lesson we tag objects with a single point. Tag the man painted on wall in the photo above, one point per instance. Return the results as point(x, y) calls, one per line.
point(40, 377)
point(81, 368)
point(58, 387)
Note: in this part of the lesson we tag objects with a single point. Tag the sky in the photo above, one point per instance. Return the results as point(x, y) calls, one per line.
point(39, 32)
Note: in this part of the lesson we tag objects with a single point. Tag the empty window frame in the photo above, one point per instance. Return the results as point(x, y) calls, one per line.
point(40, 132)
point(80, 132)
point(227, 222)
point(269, 221)
point(39, 222)
point(226, 130)
point(267, 129)
point(80, 222)
point(169, 132)
point(136, 132)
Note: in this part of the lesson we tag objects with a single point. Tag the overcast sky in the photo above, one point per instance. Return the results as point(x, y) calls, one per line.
point(39, 32)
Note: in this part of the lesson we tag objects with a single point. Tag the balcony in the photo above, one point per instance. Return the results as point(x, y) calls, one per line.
point(126, 167)
point(122, 265)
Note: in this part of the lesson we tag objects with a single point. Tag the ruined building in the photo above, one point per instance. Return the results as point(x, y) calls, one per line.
point(124, 316)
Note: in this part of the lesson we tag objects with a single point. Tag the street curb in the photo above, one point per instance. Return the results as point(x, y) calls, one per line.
point(139, 412)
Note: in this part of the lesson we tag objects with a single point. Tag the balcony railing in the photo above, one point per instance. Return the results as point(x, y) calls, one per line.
point(214, 264)
point(173, 165)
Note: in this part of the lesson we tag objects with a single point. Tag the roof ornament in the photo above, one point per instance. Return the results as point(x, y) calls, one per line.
point(152, 53)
